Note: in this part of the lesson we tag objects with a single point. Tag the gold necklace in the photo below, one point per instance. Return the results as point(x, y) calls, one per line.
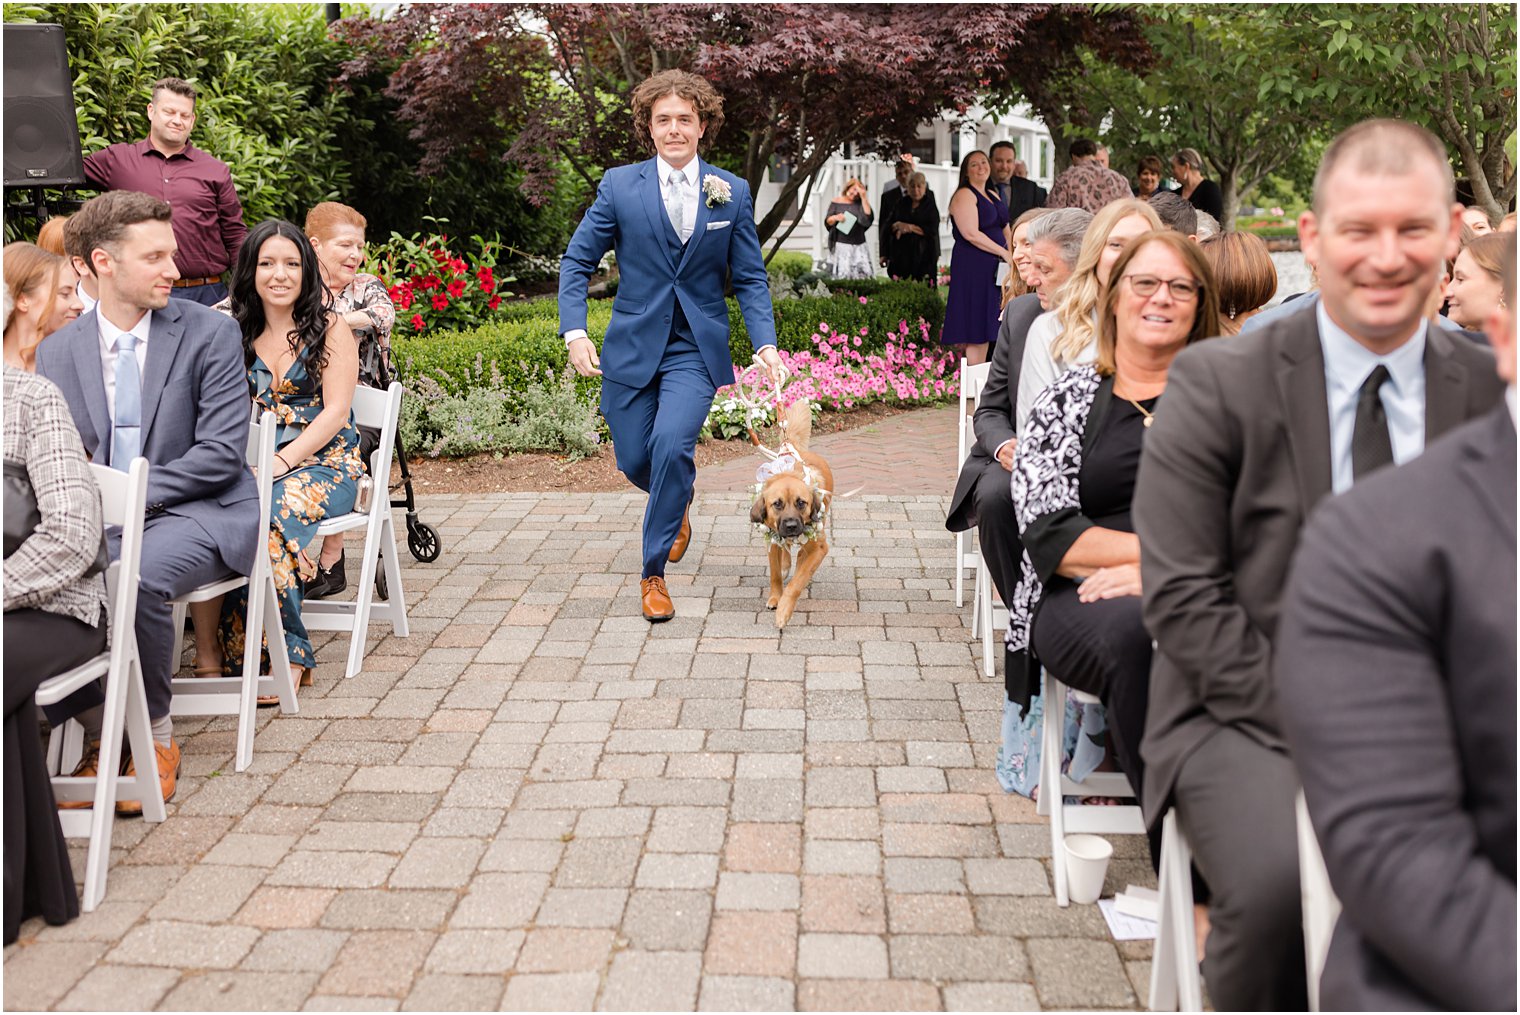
point(1150, 417)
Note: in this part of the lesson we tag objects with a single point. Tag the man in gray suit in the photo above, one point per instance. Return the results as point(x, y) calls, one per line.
point(1249, 437)
point(163, 379)
point(1396, 674)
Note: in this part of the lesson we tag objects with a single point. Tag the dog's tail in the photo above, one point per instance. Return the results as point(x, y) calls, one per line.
point(799, 424)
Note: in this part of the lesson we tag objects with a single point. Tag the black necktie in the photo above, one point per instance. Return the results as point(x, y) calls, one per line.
point(1371, 447)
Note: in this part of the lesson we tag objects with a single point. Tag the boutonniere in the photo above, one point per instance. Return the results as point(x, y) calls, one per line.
point(716, 191)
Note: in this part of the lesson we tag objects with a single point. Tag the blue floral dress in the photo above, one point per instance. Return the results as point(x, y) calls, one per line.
point(323, 486)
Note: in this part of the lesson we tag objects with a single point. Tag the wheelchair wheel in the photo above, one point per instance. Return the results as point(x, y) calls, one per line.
point(422, 540)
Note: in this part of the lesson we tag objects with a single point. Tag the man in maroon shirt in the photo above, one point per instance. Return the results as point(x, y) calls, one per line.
point(208, 217)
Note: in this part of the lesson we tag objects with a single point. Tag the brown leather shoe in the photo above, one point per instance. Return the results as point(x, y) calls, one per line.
point(88, 768)
point(168, 776)
point(683, 538)
point(657, 604)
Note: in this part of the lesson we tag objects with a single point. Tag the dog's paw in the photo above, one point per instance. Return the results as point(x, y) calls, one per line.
point(770, 604)
point(784, 612)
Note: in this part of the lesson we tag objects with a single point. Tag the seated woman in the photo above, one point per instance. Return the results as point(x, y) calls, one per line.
point(915, 233)
point(303, 364)
point(1244, 277)
point(41, 291)
point(336, 232)
point(1067, 335)
point(1077, 608)
point(1475, 290)
point(54, 621)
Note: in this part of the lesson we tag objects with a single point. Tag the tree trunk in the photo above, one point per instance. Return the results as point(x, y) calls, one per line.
point(1229, 189)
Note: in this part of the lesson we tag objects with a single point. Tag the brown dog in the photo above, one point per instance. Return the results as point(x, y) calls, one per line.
point(793, 504)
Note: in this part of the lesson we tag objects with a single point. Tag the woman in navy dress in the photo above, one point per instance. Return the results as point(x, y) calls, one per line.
point(979, 222)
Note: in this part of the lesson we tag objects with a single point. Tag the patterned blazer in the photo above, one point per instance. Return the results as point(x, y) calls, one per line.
point(1063, 422)
point(47, 571)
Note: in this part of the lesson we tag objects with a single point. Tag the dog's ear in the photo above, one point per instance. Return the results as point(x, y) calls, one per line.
point(757, 513)
point(817, 507)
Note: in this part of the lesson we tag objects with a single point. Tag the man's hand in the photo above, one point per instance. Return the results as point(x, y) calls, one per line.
point(583, 357)
point(772, 360)
point(1005, 455)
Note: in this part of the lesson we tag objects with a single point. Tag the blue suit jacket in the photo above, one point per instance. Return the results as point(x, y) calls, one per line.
point(196, 438)
point(629, 217)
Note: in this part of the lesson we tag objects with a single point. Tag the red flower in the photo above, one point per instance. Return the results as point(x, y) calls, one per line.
point(430, 282)
point(440, 302)
point(457, 266)
point(456, 288)
point(494, 302)
point(418, 323)
point(487, 285)
point(405, 299)
point(440, 255)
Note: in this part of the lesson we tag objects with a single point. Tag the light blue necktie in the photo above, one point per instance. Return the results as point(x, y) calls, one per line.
point(675, 203)
point(126, 429)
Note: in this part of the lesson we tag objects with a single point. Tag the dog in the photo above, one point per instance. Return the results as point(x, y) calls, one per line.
point(793, 502)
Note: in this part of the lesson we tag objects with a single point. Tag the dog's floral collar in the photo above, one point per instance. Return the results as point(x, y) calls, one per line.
point(716, 191)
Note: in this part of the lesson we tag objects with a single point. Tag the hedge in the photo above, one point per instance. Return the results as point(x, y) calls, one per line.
point(526, 341)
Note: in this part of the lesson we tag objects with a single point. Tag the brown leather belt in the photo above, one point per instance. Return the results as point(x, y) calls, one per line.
point(186, 283)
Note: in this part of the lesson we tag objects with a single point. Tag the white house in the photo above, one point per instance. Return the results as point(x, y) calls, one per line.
point(938, 148)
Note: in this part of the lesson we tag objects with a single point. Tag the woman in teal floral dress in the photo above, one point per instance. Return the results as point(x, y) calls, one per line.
point(303, 365)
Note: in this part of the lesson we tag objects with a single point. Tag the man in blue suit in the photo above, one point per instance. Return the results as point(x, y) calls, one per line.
point(682, 229)
point(163, 379)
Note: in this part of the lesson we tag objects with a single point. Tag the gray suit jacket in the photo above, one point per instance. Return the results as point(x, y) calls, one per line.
point(195, 410)
point(1396, 679)
point(993, 421)
point(1237, 459)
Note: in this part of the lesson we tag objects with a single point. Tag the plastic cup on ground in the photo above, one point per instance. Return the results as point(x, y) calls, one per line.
point(1087, 859)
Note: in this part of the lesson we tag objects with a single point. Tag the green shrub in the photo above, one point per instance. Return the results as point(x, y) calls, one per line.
point(791, 263)
point(547, 413)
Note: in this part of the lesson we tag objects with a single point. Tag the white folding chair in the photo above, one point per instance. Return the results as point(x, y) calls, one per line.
point(123, 498)
point(1055, 787)
point(239, 695)
point(973, 380)
point(382, 410)
point(1321, 907)
point(1175, 981)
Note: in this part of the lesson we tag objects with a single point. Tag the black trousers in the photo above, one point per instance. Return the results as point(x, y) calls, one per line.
point(38, 878)
point(997, 528)
point(1101, 648)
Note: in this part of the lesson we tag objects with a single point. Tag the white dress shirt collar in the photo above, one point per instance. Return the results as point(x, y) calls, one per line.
point(1351, 361)
point(691, 171)
point(109, 333)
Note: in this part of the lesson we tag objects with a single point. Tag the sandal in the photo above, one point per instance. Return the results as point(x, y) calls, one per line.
point(303, 679)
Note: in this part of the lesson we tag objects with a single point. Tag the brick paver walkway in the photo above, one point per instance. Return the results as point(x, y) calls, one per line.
point(540, 801)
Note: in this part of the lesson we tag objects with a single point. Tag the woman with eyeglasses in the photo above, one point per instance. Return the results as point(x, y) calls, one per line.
point(1077, 608)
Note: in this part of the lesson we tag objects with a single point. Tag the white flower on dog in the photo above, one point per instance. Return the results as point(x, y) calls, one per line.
point(716, 191)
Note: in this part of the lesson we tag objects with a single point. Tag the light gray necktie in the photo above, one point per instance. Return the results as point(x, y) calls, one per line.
point(675, 203)
point(126, 428)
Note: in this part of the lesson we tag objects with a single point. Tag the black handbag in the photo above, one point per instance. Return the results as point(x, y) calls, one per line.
point(22, 516)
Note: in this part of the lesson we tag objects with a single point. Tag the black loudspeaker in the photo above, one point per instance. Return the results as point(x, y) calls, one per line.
point(41, 131)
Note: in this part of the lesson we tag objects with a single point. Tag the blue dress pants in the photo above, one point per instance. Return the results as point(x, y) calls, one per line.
point(654, 433)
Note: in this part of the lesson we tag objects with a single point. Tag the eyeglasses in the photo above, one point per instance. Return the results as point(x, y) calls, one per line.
point(1183, 290)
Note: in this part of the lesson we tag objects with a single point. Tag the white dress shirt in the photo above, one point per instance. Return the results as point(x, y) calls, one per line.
point(1347, 366)
point(108, 335)
point(85, 298)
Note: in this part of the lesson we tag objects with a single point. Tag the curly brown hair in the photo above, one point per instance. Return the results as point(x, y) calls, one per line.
point(703, 97)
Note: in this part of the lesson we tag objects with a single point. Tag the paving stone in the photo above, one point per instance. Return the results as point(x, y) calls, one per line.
point(851, 905)
point(475, 951)
point(842, 956)
point(113, 988)
point(991, 997)
point(930, 914)
point(767, 800)
point(438, 863)
point(565, 950)
point(599, 863)
point(500, 901)
point(360, 1002)
point(752, 944)
point(551, 992)
point(296, 951)
point(746, 993)
point(958, 957)
point(687, 830)
point(360, 836)
point(667, 920)
point(208, 894)
point(172, 943)
point(758, 891)
point(837, 856)
point(377, 962)
point(274, 908)
point(866, 995)
point(764, 848)
point(652, 981)
point(1006, 877)
point(446, 992)
point(238, 991)
point(911, 875)
point(677, 870)
point(1074, 973)
point(582, 907)
point(379, 909)
point(325, 870)
point(37, 975)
